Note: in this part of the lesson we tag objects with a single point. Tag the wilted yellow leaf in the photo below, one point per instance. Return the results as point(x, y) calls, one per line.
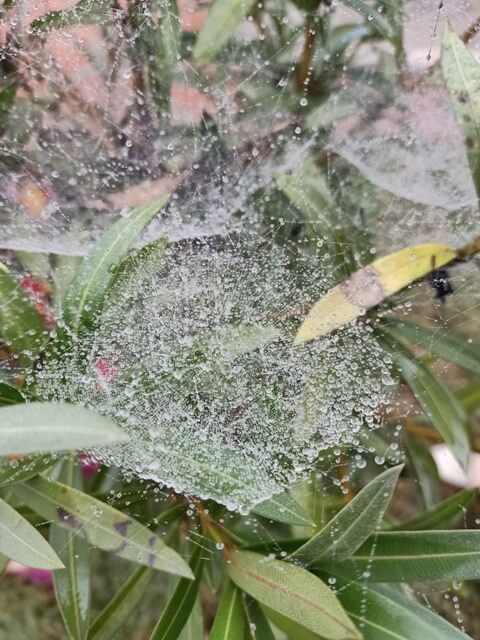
point(370, 285)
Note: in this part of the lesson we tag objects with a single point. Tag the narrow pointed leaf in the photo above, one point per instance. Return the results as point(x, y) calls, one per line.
point(180, 605)
point(72, 584)
point(37, 427)
point(20, 541)
point(258, 625)
point(125, 601)
point(424, 470)
point(10, 395)
point(373, 16)
point(222, 20)
point(283, 508)
point(371, 285)
point(344, 534)
point(194, 629)
point(293, 592)
point(439, 403)
point(86, 293)
point(437, 342)
point(111, 619)
point(442, 513)
point(384, 614)
point(413, 556)
point(229, 623)
point(21, 326)
point(15, 471)
point(461, 72)
point(100, 524)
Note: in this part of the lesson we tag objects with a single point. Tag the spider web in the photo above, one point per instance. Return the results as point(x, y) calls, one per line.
point(193, 356)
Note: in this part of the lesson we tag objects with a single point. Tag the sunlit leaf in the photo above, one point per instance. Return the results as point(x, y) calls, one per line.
point(369, 286)
point(229, 623)
point(72, 584)
point(37, 427)
point(20, 541)
point(100, 524)
point(461, 71)
point(293, 592)
point(413, 556)
point(177, 611)
point(384, 614)
point(442, 513)
point(21, 326)
point(283, 508)
point(344, 534)
point(222, 20)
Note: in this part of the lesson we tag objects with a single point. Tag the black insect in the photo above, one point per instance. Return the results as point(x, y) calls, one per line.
point(440, 281)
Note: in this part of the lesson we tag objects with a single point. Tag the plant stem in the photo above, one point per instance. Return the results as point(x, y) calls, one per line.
point(303, 70)
point(472, 31)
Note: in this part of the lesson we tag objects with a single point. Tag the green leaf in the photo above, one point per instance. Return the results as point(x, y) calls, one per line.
point(100, 524)
point(229, 623)
point(439, 403)
point(469, 396)
point(424, 470)
point(15, 471)
point(344, 534)
point(293, 592)
point(22, 542)
point(222, 20)
point(437, 342)
point(441, 513)
point(7, 100)
point(342, 36)
point(384, 614)
point(85, 296)
point(72, 584)
point(413, 556)
point(292, 629)
point(111, 619)
point(180, 605)
point(84, 12)
point(336, 107)
point(47, 426)
point(10, 395)
point(193, 630)
point(283, 508)
point(373, 16)
point(258, 625)
point(125, 601)
point(461, 72)
point(159, 44)
point(21, 326)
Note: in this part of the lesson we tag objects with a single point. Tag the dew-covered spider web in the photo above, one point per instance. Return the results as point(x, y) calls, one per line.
point(193, 353)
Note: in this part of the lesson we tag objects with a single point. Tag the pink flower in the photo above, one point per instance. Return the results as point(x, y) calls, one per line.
point(90, 466)
point(29, 574)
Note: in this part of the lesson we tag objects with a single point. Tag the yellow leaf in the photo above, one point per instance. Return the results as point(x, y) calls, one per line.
point(369, 286)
